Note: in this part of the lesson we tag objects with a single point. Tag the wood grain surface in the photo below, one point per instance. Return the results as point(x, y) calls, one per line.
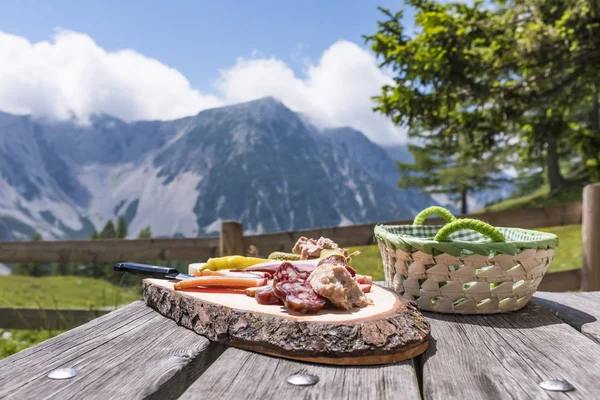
point(238, 374)
point(134, 353)
point(590, 235)
point(131, 353)
point(506, 356)
point(390, 332)
point(580, 310)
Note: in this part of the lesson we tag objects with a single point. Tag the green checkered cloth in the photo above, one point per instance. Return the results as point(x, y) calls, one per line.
point(411, 238)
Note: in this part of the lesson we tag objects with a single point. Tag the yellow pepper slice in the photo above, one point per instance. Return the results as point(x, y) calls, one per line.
point(231, 262)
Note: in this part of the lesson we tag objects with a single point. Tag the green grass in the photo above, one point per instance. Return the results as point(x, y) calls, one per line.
point(63, 292)
point(368, 262)
point(540, 198)
point(55, 292)
point(13, 341)
point(568, 255)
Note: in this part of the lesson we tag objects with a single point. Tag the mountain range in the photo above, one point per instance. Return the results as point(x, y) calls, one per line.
point(257, 162)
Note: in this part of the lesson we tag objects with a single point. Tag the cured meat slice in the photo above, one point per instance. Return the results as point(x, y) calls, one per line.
point(312, 248)
point(265, 295)
point(299, 296)
point(251, 291)
point(351, 271)
point(363, 279)
point(333, 281)
point(302, 265)
point(289, 272)
point(271, 267)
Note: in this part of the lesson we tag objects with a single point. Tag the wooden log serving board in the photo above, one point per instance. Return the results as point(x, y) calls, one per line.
point(389, 331)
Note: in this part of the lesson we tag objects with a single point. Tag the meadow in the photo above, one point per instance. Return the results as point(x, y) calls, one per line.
point(55, 292)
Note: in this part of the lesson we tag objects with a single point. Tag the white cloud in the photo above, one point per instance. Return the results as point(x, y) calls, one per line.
point(336, 91)
point(73, 75)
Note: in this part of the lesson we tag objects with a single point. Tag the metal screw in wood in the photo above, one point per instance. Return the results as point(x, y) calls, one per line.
point(302, 378)
point(556, 385)
point(63, 373)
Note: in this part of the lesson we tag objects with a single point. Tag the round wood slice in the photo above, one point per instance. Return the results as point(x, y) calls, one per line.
point(390, 330)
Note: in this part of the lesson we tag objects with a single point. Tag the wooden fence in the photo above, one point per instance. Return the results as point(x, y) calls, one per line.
point(232, 241)
point(34, 318)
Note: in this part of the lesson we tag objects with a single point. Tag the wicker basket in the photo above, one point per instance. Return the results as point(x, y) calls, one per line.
point(465, 266)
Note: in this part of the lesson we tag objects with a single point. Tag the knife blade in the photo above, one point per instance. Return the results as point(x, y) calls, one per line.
point(153, 271)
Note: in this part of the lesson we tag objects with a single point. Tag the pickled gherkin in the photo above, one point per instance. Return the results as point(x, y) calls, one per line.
point(280, 255)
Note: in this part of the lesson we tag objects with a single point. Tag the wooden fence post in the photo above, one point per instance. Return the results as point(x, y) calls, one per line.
point(231, 241)
point(590, 234)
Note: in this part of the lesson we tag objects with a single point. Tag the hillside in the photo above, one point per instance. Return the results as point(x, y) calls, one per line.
point(540, 197)
point(256, 162)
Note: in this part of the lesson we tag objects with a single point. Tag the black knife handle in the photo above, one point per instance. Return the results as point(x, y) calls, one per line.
point(144, 269)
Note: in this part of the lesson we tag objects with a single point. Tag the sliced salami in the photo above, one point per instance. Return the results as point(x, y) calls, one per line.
point(289, 272)
point(299, 296)
point(265, 295)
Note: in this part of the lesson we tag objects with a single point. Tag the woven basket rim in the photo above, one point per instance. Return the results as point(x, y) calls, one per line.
point(535, 240)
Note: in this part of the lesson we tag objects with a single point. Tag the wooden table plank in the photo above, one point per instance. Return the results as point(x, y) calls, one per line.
point(240, 374)
point(130, 353)
point(581, 310)
point(505, 356)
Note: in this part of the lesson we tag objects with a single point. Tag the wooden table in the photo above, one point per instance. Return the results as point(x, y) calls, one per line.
point(136, 353)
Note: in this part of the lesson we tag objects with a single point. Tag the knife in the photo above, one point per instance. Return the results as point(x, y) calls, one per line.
point(153, 271)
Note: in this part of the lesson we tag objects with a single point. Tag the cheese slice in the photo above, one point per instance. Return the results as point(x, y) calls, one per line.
point(195, 267)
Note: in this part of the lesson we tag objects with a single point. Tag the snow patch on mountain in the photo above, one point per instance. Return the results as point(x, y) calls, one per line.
point(44, 213)
point(344, 221)
point(214, 227)
point(143, 196)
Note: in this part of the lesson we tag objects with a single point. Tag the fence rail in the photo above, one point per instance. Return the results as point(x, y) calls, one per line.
point(38, 318)
point(232, 240)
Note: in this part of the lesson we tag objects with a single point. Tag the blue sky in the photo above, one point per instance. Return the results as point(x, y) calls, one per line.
point(200, 37)
point(164, 60)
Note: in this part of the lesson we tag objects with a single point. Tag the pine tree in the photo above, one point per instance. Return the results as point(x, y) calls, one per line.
point(121, 227)
point(145, 233)
point(108, 232)
point(483, 73)
point(440, 168)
